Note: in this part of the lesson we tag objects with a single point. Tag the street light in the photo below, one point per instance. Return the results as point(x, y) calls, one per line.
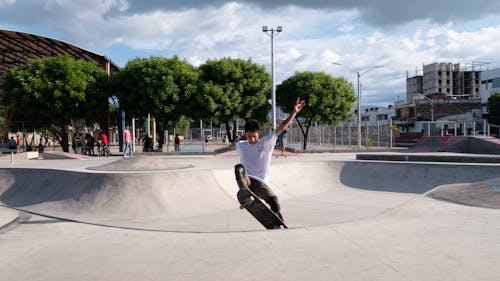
point(271, 32)
point(359, 94)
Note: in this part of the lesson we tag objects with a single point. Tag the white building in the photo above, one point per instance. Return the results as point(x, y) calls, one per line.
point(490, 84)
point(374, 116)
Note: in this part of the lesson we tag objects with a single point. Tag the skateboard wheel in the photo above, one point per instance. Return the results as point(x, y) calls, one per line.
point(247, 202)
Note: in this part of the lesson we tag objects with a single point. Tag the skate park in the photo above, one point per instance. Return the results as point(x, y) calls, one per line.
point(177, 218)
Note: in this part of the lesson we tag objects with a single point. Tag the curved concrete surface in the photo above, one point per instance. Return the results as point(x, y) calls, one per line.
point(7, 218)
point(484, 194)
point(143, 164)
point(312, 193)
point(364, 221)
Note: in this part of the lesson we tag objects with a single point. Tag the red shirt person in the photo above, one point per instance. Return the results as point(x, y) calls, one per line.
point(104, 138)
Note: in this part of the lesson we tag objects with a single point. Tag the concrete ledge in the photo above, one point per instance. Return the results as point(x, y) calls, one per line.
point(458, 158)
point(346, 150)
point(32, 155)
point(20, 155)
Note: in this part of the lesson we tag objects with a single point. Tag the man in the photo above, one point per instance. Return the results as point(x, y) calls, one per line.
point(12, 144)
point(281, 143)
point(127, 138)
point(103, 144)
point(255, 158)
point(104, 138)
point(177, 143)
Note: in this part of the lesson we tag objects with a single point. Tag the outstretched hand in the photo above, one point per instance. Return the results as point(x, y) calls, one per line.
point(299, 104)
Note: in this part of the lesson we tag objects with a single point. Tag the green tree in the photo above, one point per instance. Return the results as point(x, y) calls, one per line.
point(494, 108)
point(233, 89)
point(52, 91)
point(329, 100)
point(162, 87)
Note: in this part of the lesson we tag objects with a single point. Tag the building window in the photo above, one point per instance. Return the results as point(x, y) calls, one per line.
point(496, 83)
point(411, 112)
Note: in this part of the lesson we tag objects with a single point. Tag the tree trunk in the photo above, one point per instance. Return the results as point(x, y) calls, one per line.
point(235, 135)
point(228, 132)
point(64, 142)
point(305, 132)
point(306, 135)
point(7, 117)
point(62, 135)
point(161, 140)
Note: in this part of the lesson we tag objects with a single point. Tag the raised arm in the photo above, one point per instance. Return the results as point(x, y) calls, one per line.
point(299, 104)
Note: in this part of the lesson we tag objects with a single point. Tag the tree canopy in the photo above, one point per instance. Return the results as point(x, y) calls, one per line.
point(494, 108)
point(163, 87)
point(232, 89)
point(52, 91)
point(329, 100)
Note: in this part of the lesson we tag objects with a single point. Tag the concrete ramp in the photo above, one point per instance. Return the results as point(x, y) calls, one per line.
point(204, 200)
point(460, 144)
point(484, 194)
point(164, 201)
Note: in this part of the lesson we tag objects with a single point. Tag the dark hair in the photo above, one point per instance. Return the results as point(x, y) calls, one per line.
point(252, 126)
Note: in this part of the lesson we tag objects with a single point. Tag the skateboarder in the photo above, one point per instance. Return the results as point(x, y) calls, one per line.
point(255, 157)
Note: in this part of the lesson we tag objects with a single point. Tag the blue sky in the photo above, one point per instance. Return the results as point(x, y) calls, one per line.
point(400, 35)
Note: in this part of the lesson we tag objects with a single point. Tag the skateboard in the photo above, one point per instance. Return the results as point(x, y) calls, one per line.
point(254, 205)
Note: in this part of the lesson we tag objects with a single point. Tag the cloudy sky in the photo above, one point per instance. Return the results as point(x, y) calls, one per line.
point(400, 35)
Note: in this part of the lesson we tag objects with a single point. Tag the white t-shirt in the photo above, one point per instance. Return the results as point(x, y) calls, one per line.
point(257, 157)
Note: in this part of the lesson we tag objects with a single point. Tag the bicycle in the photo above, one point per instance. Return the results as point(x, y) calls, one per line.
point(105, 150)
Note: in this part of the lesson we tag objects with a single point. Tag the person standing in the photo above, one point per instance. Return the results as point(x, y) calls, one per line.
point(103, 138)
point(79, 141)
point(281, 142)
point(41, 145)
point(127, 138)
point(177, 143)
point(255, 158)
point(12, 144)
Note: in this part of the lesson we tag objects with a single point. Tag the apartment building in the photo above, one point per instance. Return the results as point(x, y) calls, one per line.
point(444, 92)
point(414, 87)
point(449, 81)
point(490, 84)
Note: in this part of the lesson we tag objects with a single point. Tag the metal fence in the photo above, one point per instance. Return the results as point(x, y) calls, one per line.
point(343, 135)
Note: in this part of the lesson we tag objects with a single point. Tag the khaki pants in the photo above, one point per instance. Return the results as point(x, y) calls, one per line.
point(259, 188)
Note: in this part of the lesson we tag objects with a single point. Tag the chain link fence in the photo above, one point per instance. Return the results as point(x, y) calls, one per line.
point(320, 137)
point(339, 136)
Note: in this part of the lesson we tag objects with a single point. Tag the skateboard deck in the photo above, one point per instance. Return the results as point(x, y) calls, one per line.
point(257, 208)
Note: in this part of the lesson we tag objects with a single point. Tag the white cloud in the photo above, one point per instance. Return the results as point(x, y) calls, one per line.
point(311, 38)
point(346, 28)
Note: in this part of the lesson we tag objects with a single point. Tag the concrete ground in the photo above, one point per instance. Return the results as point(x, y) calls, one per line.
point(177, 218)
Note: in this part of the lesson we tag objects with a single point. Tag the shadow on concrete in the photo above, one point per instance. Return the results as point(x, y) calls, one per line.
point(312, 194)
point(25, 187)
point(417, 178)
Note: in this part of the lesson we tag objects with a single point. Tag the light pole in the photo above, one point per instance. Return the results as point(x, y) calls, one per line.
point(359, 94)
point(271, 32)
